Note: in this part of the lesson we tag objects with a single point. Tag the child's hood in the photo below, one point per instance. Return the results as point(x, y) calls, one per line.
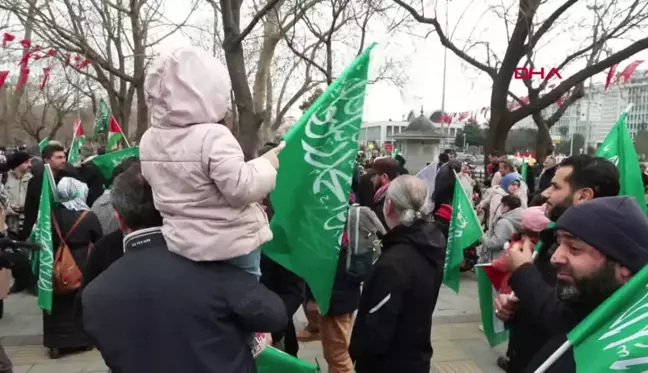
point(189, 86)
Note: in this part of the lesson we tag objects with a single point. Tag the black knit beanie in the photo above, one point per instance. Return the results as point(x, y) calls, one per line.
point(615, 226)
point(16, 159)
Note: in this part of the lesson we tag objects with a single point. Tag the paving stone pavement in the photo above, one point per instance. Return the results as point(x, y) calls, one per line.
point(459, 346)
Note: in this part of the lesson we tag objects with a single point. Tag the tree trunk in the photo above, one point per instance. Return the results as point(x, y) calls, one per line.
point(544, 145)
point(498, 131)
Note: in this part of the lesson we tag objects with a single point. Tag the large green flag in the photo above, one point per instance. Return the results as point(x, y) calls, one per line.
point(465, 230)
point(43, 260)
point(619, 149)
point(101, 119)
point(615, 336)
point(311, 198)
point(272, 360)
point(107, 162)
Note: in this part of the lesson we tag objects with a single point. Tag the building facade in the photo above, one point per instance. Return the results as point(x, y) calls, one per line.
point(379, 132)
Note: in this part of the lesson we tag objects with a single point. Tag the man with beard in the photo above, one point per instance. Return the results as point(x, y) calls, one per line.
point(595, 257)
point(578, 179)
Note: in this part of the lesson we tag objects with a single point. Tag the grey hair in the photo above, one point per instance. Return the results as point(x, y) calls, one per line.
point(131, 196)
point(410, 199)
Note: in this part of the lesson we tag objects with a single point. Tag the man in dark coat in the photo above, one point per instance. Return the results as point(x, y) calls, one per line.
point(547, 174)
point(90, 174)
point(155, 311)
point(595, 258)
point(54, 156)
point(578, 179)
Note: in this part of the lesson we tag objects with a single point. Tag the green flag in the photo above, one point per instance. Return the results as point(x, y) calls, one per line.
point(615, 336)
point(317, 166)
point(107, 162)
point(619, 149)
point(42, 144)
point(43, 260)
point(272, 360)
point(465, 230)
point(524, 170)
point(101, 119)
point(78, 140)
point(494, 329)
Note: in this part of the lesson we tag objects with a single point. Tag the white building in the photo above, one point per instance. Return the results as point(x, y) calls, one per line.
point(378, 132)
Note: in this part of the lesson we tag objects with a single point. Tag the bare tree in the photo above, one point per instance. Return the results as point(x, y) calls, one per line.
point(115, 35)
point(524, 36)
point(249, 120)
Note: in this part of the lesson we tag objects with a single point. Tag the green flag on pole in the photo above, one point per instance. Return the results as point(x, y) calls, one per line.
point(272, 360)
point(42, 144)
point(619, 149)
point(615, 336)
point(465, 230)
point(115, 135)
point(317, 166)
point(101, 119)
point(494, 328)
point(78, 140)
point(107, 162)
point(43, 260)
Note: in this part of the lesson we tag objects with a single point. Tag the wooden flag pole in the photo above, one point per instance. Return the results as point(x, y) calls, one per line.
point(554, 357)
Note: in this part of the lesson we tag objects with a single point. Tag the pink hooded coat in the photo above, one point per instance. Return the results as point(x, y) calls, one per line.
point(202, 186)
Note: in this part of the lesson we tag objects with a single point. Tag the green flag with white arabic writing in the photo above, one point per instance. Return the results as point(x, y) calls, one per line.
point(272, 360)
point(619, 149)
point(615, 336)
point(107, 162)
point(43, 259)
point(311, 198)
point(101, 119)
point(465, 230)
point(42, 144)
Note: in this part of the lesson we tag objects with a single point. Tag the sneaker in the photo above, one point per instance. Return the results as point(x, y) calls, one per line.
point(308, 336)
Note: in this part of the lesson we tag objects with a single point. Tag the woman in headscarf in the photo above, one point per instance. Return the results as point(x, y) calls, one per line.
point(79, 228)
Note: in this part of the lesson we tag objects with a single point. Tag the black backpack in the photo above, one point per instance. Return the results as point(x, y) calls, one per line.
point(363, 247)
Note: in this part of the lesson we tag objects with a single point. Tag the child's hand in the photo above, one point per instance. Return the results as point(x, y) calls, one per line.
point(272, 154)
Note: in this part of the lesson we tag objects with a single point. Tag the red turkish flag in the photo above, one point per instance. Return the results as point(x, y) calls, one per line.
point(610, 75)
point(7, 38)
point(626, 74)
point(26, 43)
point(46, 75)
point(3, 77)
point(85, 63)
point(51, 53)
point(24, 74)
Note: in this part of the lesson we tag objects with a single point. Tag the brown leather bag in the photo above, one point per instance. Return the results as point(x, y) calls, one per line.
point(66, 274)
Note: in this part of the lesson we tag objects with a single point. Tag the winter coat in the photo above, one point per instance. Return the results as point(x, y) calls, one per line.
point(16, 193)
point(493, 199)
point(180, 316)
point(90, 174)
point(468, 185)
point(63, 327)
point(544, 181)
point(203, 188)
point(102, 207)
point(504, 228)
point(394, 321)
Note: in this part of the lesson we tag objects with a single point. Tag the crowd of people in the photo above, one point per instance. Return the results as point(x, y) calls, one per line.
point(173, 278)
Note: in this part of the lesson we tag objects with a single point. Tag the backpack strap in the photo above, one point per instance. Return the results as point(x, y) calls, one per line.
point(76, 224)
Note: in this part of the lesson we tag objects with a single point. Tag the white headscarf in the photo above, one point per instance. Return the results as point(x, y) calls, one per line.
point(73, 194)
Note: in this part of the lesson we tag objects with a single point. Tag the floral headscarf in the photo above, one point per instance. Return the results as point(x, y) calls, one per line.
point(73, 194)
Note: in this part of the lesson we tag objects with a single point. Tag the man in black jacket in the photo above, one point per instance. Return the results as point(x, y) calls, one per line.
point(594, 259)
point(548, 172)
point(155, 311)
point(578, 179)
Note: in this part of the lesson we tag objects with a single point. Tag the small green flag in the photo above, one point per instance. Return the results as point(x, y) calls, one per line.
point(317, 165)
point(115, 136)
point(524, 170)
point(43, 260)
point(465, 230)
point(78, 140)
point(101, 119)
point(272, 360)
point(614, 337)
point(107, 162)
point(619, 149)
point(494, 329)
point(42, 144)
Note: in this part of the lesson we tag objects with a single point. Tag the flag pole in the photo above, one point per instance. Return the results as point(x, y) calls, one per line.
point(73, 138)
point(554, 357)
point(629, 107)
point(124, 135)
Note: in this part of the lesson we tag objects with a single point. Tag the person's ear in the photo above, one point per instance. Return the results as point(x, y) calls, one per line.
point(622, 274)
point(584, 194)
point(120, 221)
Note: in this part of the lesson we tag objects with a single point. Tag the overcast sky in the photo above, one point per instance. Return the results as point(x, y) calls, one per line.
point(422, 59)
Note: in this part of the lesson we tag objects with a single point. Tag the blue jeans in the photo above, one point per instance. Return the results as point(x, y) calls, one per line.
point(250, 263)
